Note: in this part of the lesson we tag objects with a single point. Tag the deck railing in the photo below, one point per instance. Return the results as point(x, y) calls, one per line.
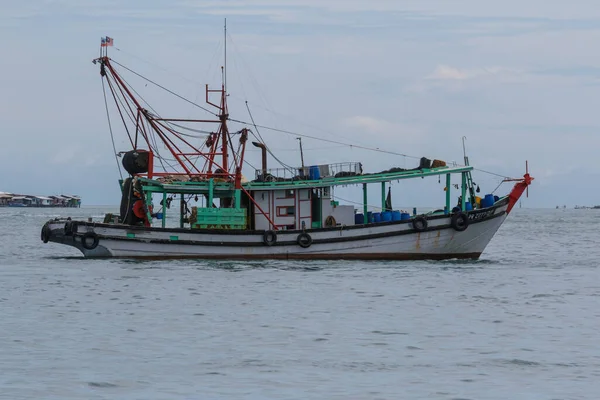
point(325, 170)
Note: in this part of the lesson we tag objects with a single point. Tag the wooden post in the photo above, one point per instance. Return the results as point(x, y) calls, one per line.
point(448, 186)
point(365, 218)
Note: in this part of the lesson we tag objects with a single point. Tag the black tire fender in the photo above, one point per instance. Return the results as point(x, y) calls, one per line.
point(304, 240)
point(85, 240)
point(460, 221)
point(45, 234)
point(419, 223)
point(269, 238)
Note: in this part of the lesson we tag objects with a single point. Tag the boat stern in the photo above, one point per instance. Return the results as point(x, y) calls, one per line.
point(67, 232)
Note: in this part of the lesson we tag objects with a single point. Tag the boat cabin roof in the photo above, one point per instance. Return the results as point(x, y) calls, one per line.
point(153, 185)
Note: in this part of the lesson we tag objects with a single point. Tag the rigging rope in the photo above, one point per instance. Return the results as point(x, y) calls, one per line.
point(112, 138)
point(327, 140)
point(164, 88)
point(284, 165)
point(151, 131)
point(256, 126)
point(491, 173)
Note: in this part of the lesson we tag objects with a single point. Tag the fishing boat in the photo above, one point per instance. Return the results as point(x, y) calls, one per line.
point(281, 213)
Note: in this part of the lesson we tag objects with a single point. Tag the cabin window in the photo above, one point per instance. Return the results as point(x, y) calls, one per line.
point(285, 211)
point(286, 194)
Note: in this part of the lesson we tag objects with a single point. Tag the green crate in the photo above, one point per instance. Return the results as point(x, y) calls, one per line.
point(219, 218)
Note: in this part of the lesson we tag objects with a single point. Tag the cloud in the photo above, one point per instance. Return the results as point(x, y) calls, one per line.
point(369, 124)
point(455, 79)
point(445, 72)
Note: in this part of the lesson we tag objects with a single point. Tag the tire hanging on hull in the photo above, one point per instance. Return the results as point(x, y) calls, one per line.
point(269, 238)
point(460, 221)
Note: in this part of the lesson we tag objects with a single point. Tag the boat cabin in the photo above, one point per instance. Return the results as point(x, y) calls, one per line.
point(306, 208)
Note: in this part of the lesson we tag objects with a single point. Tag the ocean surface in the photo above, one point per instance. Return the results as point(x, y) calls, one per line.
point(521, 323)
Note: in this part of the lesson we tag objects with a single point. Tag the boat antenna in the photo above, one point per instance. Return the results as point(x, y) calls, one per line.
point(465, 151)
point(301, 153)
point(225, 62)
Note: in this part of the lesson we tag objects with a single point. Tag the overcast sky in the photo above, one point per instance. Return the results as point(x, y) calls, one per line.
point(519, 79)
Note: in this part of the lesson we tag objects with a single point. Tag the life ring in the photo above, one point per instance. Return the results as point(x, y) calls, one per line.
point(45, 234)
point(419, 223)
point(304, 240)
point(330, 221)
point(460, 221)
point(269, 238)
point(85, 243)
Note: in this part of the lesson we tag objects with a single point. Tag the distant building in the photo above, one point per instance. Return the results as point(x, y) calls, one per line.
point(21, 200)
point(5, 198)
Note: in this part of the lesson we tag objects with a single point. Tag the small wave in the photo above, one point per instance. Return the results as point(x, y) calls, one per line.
point(102, 385)
point(525, 363)
point(536, 296)
point(389, 333)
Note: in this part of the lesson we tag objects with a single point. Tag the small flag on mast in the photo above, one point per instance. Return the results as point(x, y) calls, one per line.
point(106, 41)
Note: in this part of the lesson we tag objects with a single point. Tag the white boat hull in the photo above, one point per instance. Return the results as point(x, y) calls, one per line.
point(387, 241)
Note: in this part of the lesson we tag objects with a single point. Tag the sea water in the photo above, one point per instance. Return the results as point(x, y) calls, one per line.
point(520, 323)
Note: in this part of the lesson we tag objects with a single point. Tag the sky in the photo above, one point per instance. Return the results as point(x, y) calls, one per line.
point(519, 79)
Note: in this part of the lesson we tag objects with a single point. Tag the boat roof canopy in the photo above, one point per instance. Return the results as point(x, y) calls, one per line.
point(220, 186)
point(359, 179)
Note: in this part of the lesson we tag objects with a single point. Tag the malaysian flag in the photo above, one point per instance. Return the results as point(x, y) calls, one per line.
point(106, 41)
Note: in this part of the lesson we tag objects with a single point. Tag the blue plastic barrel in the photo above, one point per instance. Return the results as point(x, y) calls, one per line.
point(487, 201)
point(496, 198)
point(314, 173)
point(376, 217)
point(386, 216)
point(396, 216)
point(159, 215)
point(359, 219)
point(404, 216)
point(468, 206)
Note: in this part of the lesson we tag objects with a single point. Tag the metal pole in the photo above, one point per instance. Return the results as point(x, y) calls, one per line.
point(181, 210)
point(448, 186)
point(320, 191)
point(225, 62)
point(164, 209)
point(383, 197)
point(301, 154)
point(463, 191)
point(365, 218)
point(211, 188)
point(465, 151)
point(237, 199)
